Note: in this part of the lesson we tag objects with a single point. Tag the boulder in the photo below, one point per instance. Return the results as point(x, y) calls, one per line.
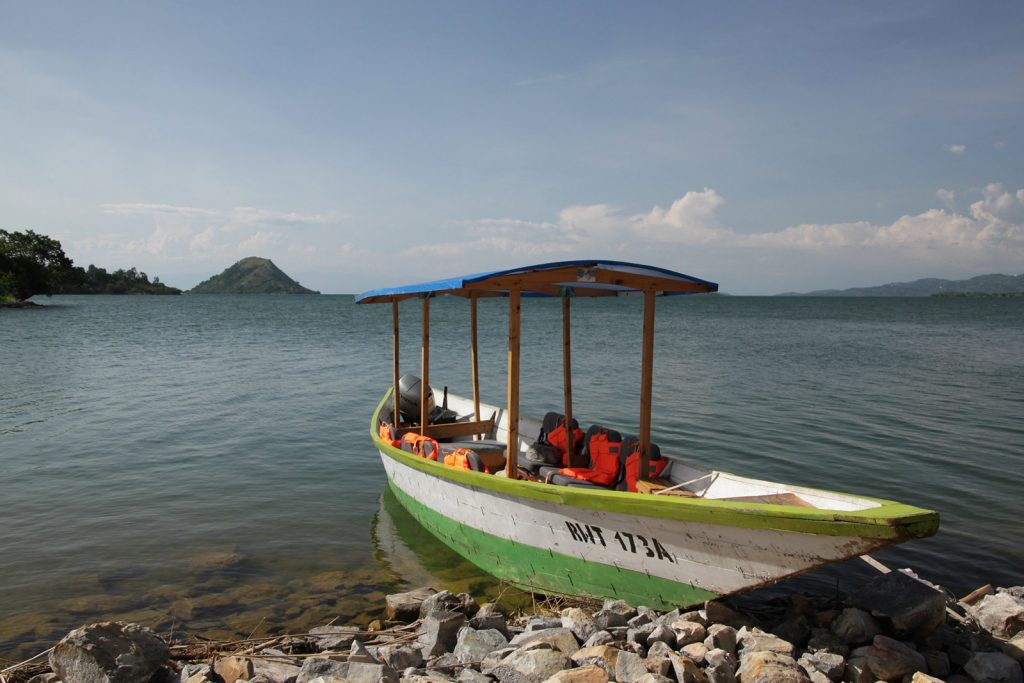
point(468, 675)
point(629, 667)
point(771, 667)
point(494, 659)
point(831, 666)
point(659, 660)
point(686, 670)
point(542, 623)
point(822, 640)
point(321, 667)
point(721, 637)
point(405, 607)
point(534, 666)
point(277, 672)
point(490, 616)
point(756, 640)
point(854, 626)
point(1001, 614)
point(560, 639)
point(639, 634)
point(604, 656)
point(579, 622)
point(891, 660)
point(720, 613)
point(472, 645)
point(400, 657)
point(365, 672)
point(937, 663)
point(232, 669)
point(443, 601)
point(621, 607)
point(695, 651)
point(994, 667)
point(720, 673)
point(909, 607)
point(857, 669)
point(334, 637)
point(589, 673)
point(606, 618)
point(599, 638)
point(439, 630)
point(687, 632)
point(109, 652)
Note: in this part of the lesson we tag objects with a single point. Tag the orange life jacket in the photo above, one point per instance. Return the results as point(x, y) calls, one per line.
point(423, 446)
point(604, 456)
point(557, 438)
point(459, 458)
point(654, 469)
point(385, 434)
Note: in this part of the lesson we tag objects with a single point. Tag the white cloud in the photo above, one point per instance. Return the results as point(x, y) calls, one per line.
point(955, 149)
point(947, 197)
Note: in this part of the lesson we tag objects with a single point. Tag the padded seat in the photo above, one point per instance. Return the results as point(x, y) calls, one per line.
point(535, 466)
point(553, 475)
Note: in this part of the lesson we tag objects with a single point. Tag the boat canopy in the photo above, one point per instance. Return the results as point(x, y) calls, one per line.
point(560, 278)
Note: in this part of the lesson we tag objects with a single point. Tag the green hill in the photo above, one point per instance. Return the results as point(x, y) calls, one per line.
point(982, 284)
point(252, 275)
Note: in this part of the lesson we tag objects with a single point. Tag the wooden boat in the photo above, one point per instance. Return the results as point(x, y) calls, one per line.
point(689, 535)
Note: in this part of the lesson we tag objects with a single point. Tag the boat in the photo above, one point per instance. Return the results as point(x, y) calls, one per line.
point(658, 530)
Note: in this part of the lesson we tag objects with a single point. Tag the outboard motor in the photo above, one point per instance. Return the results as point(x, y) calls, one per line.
point(409, 398)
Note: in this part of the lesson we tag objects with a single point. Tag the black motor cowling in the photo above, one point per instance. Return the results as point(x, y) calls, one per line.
point(409, 398)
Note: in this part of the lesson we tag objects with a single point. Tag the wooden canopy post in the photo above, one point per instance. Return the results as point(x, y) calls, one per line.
point(567, 374)
point(473, 357)
point(512, 410)
point(425, 365)
point(646, 383)
point(396, 415)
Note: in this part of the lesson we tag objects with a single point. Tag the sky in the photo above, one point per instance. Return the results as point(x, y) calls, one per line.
point(769, 147)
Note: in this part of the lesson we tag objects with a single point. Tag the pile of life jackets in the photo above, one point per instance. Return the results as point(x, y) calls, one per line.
point(428, 448)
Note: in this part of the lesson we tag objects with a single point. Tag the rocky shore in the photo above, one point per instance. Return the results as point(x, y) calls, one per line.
point(895, 628)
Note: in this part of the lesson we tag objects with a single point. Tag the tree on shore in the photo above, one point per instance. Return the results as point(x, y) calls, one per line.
point(31, 264)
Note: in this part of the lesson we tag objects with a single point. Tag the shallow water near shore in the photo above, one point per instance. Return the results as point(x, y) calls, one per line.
point(202, 463)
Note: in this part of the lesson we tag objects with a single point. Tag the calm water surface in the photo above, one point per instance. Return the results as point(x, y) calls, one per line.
point(202, 463)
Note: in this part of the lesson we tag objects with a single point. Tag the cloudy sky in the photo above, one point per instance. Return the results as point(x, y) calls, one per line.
point(766, 146)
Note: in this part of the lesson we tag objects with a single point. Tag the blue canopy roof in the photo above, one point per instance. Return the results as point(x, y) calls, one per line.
point(577, 278)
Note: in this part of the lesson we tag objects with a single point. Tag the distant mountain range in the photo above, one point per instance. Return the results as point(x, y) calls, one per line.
point(252, 275)
point(982, 284)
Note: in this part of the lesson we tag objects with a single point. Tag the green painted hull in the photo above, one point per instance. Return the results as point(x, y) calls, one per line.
point(535, 569)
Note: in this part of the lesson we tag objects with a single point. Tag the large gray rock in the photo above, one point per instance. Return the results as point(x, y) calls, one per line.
point(910, 608)
point(472, 645)
point(831, 666)
point(365, 672)
point(400, 657)
point(438, 632)
point(854, 626)
point(604, 656)
point(607, 618)
point(278, 672)
point(109, 652)
point(579, 622)
point(445, 601)
point(561, 639)
point(334, 637)
point(468, 675)
point(658, 660)
point(994, 667)
point(629, 667)
point(721, 637)
point(756, 640)
point(686, 670)
point(405, 607)
point(317, 667)
point(721, 666)
point(620, 606)
point(1001, 614)
point(687, 632)
point(599, 638)
point(490, 616)
point(771, 667)
point(543, 623)
point(535, 666)
point(891, 660)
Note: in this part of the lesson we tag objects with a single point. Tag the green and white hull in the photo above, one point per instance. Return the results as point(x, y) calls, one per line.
point(662, 551)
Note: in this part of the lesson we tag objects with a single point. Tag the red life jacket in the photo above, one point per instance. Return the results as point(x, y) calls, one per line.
point(423, 446)
point(558, 439)
point(654, 469)
point(604, 456)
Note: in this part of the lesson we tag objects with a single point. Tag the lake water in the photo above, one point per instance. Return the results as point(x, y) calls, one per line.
point(202, 463)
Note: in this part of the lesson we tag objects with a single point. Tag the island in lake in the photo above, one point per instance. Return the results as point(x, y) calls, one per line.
point(252, 275)
point(981, 285)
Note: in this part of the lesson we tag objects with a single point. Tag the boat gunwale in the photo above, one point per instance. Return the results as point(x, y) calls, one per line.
point(890, 520)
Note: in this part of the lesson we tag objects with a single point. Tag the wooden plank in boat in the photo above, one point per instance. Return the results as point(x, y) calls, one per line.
point(655, 485)
point(772, 499)
point(446, 430)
